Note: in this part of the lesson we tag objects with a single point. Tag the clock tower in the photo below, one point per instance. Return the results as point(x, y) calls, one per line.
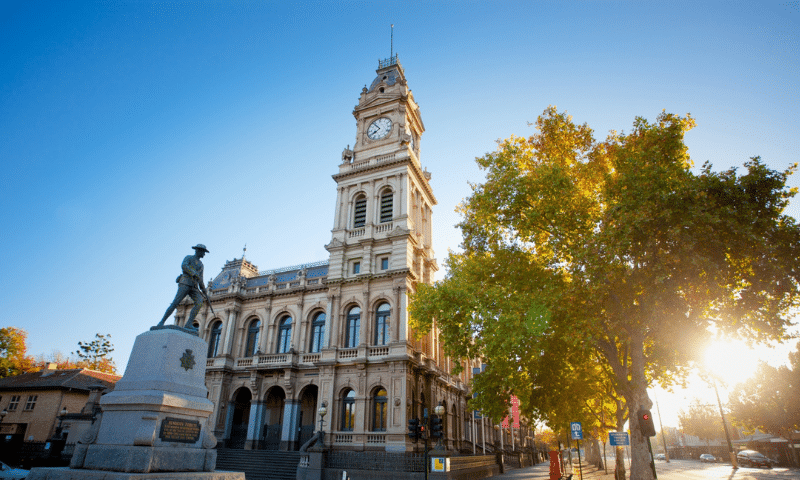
point(382, 224)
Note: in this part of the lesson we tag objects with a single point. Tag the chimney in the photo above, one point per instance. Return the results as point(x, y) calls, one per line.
point(49, 368)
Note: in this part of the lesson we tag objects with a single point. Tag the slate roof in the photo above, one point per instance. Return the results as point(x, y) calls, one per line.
point(72, 379)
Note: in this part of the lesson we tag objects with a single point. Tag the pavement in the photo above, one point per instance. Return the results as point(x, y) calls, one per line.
point(542, 471)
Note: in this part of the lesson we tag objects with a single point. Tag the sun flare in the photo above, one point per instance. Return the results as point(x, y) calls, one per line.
point(731, 361)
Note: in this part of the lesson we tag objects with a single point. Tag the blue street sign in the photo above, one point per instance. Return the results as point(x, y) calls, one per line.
point(618, 438)
point(577, 431)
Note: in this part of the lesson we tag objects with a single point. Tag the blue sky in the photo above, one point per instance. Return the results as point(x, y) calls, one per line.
point(130, 131)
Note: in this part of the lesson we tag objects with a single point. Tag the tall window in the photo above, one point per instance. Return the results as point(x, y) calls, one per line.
point(353, 323)
point(252, 338)
point(382, 324)
point(360, 212)
point(285, 335)
point(31, 402)
point(379, 411)
point(213, 339)
point(317, 332)
point(348, 410)
point(14, 403)
point(386, 206)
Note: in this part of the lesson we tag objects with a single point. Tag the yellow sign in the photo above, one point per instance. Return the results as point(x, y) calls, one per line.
point(439, 464)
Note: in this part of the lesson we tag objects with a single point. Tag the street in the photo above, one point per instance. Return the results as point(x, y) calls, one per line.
point(674, 470)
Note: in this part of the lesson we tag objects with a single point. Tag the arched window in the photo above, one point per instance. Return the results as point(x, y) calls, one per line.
point(348, 410)
point(379, 415)
point(360, 211)
point(386, 206)
point(382, 324)
point(353, 321)
point(252, 338)
point(285, 335)
point(317, 333)
point(213, 339)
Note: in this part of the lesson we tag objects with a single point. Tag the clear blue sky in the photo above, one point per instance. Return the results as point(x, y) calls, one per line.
point(130, 131)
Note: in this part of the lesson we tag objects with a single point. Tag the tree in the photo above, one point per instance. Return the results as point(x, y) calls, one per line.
point(702, 421)
point(13, 357)
point(770, 400)
point(94, 354)
point(621, 248)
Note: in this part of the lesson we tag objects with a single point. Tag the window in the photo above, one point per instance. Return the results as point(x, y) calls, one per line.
point(356, 267)
point(14, 403)
point(252, 338)
point(317, 333)
point(379, 411)
point(382, 324)
point(285, 335)
point(31, 403)
point(360, 212)
point(348, 410)
point(386, 206)
point(385, 263)
point(213, 339)
point(353, 321)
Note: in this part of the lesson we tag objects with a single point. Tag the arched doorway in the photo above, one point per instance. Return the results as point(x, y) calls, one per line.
point(240, 418)
point(308, 412)
point(273, 418)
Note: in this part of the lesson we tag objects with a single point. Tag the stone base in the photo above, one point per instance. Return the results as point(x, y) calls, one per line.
point(70, 474)
point(142, 459)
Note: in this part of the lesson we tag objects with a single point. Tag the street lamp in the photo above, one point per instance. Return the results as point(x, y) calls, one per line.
point(725, 425)
point(439, 411)
point(323, 410)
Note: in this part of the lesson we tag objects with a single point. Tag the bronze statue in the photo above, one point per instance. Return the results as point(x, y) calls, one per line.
point(190, 282)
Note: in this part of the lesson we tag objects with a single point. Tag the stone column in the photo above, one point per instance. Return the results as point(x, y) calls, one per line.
point(254, 423)
point(230, 326)
point(291, 419)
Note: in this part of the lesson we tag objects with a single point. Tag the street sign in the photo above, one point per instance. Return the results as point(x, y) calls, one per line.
point(618, 438)
point(577, 431)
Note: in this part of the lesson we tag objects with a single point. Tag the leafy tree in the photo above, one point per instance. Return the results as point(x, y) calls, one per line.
point(770, 400)
point(702, 421)
point(94, 354)
point(13, 357)
point(616, 246)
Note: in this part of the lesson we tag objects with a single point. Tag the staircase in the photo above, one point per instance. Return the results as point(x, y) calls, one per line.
point(259, 464)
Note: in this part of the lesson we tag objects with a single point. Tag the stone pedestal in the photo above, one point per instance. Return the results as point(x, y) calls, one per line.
point(155, 420)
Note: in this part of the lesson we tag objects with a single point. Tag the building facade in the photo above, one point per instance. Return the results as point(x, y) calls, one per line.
point(336, 333)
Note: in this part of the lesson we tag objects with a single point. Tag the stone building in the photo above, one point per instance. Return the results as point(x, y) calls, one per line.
point(284, 342)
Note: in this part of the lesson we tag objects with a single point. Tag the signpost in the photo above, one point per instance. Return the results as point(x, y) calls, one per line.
point(618, 439)
point(577, 435)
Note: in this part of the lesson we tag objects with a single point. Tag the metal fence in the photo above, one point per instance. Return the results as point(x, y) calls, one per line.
point(381, 461)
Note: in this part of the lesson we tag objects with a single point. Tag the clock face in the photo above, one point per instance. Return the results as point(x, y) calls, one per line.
point(379, 128)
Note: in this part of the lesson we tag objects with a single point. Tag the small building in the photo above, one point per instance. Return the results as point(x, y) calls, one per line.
point(33, 405)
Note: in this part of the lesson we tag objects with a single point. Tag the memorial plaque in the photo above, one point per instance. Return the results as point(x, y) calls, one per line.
point(179, 430)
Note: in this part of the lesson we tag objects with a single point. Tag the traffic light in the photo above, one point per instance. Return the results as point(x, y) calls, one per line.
point(414, 431)
point(436, 427)
point(646, 423)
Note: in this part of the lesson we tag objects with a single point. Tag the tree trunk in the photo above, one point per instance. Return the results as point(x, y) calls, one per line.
point(592, 448)
point(636, 398)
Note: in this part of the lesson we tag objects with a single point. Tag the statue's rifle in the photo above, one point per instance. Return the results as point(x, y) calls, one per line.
point(209, 302)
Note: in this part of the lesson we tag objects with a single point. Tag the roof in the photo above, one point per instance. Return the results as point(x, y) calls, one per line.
point(71, 379)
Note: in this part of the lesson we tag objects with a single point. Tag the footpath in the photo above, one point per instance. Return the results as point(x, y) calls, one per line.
point(542, 471)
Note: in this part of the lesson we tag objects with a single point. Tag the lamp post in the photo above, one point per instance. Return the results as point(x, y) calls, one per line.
point(323, 410)
point(439, 411)
point(725, 425)
point(663, 436)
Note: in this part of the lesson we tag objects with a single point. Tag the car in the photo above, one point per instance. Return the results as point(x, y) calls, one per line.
point(707, 458)
point(661, 456)
point(751, 458)
point(8, 473)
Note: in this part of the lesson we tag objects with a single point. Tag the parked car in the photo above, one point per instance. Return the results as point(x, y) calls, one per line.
point(8, 473)
point(751, 458)
point(707, 458)
point(661, 456)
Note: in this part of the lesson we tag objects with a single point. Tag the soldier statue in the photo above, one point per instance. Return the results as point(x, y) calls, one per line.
point(190, 282)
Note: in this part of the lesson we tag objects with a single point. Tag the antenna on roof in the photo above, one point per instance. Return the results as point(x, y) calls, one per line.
point(244, 250)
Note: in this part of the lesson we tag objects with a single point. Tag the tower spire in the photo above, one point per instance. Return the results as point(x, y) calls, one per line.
point(391, 43)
